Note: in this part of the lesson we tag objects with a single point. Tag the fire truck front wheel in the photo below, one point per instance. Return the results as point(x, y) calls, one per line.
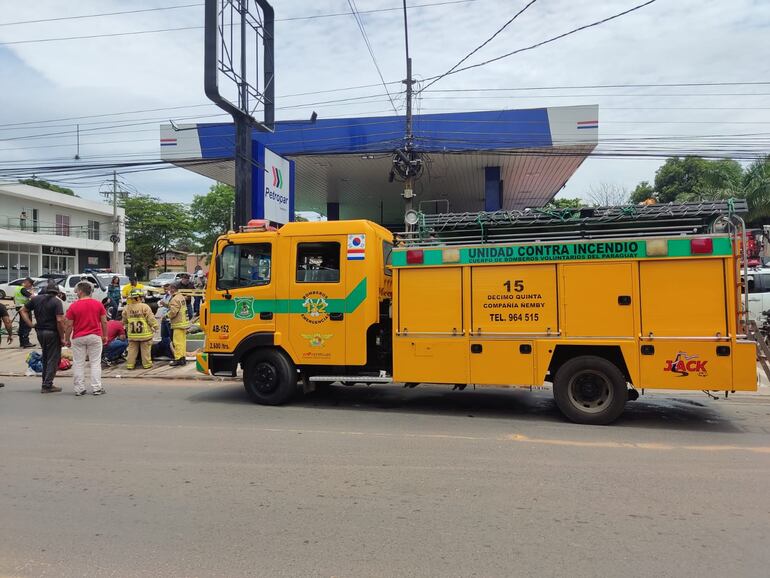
point(269, 377)
point(590, 390)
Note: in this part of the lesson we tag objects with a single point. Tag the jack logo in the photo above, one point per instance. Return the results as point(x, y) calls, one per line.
point(683, 365)
point(277, 178)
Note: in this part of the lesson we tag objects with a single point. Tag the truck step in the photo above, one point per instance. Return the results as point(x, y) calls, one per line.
point(352, 378)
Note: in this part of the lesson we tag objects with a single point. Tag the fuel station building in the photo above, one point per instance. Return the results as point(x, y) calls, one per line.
point(473, 161)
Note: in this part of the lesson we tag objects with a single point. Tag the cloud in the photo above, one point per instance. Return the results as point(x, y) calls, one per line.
point(688, 40)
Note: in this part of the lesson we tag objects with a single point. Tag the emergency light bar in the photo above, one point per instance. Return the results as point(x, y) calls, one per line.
point(256, 225)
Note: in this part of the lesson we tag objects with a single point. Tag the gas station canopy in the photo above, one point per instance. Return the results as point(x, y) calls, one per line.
point(473, 161)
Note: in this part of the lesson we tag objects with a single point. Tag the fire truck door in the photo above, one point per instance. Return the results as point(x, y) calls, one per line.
point(317, 292)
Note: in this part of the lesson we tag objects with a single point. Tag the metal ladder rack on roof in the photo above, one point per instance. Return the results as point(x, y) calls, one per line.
point(545, 224)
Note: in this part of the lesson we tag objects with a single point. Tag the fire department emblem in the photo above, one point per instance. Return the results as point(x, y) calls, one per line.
point(316, 339)
point(244, 308)
point(315, 305)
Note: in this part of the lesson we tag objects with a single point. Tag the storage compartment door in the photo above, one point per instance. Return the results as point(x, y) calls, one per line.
point(686, 365)
point(514, 299)
point(430, 301)
point(683, 298)
point(497, 362)
point(598, 300)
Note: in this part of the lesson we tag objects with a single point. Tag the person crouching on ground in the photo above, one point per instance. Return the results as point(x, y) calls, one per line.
point(87, 333)
point(140, 327)
point(116, 343)
point(177, 315)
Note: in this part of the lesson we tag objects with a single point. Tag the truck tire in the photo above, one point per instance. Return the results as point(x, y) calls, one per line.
point(269, 377)
point(590, 390)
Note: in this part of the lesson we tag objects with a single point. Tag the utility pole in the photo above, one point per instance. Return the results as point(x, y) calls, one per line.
point(406, 162)
point(409, 181)
point(118, 267)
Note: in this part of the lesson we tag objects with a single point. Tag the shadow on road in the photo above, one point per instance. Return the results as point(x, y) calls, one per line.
point(651, 412)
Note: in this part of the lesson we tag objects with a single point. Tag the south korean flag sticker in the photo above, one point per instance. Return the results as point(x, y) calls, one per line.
point(356, 247)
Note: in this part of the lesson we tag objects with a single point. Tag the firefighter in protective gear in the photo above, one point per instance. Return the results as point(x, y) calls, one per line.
point(177, 315)
point(140, 326)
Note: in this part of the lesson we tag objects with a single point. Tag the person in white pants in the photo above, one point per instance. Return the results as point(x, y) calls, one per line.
point(86, 333)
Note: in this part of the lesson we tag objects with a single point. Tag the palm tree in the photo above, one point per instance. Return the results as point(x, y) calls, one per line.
point(756, 185)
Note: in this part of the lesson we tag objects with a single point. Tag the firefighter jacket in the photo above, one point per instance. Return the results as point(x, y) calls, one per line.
point(177, 312)
point(139, 321)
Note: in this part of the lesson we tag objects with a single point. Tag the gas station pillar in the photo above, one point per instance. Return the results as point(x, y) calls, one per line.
point(493, 189)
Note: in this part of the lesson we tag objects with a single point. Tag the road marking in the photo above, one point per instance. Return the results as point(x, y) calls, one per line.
point(520, 438)
point(638, 445)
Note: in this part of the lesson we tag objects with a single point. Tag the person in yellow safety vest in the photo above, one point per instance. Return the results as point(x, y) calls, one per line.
point(177, 315)
point(21, 297)
point(132, 286)
point(140, 326)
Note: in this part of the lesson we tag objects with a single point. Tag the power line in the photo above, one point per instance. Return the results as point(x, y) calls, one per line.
point(480, 46)
point(360, 24)
point(79, 17)
point(589, 86)
point(181, 28)
point(450, 90)
point(548, 41)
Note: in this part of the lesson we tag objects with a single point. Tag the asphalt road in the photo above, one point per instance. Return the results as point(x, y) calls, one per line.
point(171, 479)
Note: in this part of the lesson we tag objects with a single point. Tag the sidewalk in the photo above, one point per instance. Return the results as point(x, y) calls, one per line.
point(13, 364)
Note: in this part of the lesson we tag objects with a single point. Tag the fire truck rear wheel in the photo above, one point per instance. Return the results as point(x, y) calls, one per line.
point(590, 390)
point(269, 377)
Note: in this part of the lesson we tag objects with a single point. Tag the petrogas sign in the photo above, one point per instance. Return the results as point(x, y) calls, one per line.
point(277, 187)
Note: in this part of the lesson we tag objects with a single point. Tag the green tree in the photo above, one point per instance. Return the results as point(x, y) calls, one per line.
point(756, 185)
point(642, 192)
point(152, 227)
point(565, 203)
point(40, 183)
point(694, 178)
point(211, 213)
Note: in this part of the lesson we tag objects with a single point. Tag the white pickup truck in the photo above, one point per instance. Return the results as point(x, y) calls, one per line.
point(69, 283)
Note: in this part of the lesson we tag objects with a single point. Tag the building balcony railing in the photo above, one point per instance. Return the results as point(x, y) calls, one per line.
point(48, 228)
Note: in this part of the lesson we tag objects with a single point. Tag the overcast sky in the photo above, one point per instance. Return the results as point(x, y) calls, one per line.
point(670, 41)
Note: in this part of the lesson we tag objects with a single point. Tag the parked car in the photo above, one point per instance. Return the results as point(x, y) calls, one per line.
point(167, 277)
point(759, 292)
point(69, 283)
point(9, 289)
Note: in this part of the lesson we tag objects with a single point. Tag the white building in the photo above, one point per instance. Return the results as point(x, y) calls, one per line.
point(43, 231)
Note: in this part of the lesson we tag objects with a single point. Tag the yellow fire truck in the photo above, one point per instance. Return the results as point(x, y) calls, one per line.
point(600, 302)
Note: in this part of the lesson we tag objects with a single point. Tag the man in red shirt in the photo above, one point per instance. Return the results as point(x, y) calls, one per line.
point(116, 343)
point(86, 333)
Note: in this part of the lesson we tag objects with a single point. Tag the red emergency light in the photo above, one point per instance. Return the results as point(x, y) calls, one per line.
point(703, 246)
point(415, 256)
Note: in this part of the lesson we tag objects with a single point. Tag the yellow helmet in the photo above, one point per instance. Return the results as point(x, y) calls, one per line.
point(135, 294)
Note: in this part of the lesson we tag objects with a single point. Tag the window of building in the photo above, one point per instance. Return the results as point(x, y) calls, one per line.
point(247, 265)
point(63, 225)
point(93, 230)
point(318, 263)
